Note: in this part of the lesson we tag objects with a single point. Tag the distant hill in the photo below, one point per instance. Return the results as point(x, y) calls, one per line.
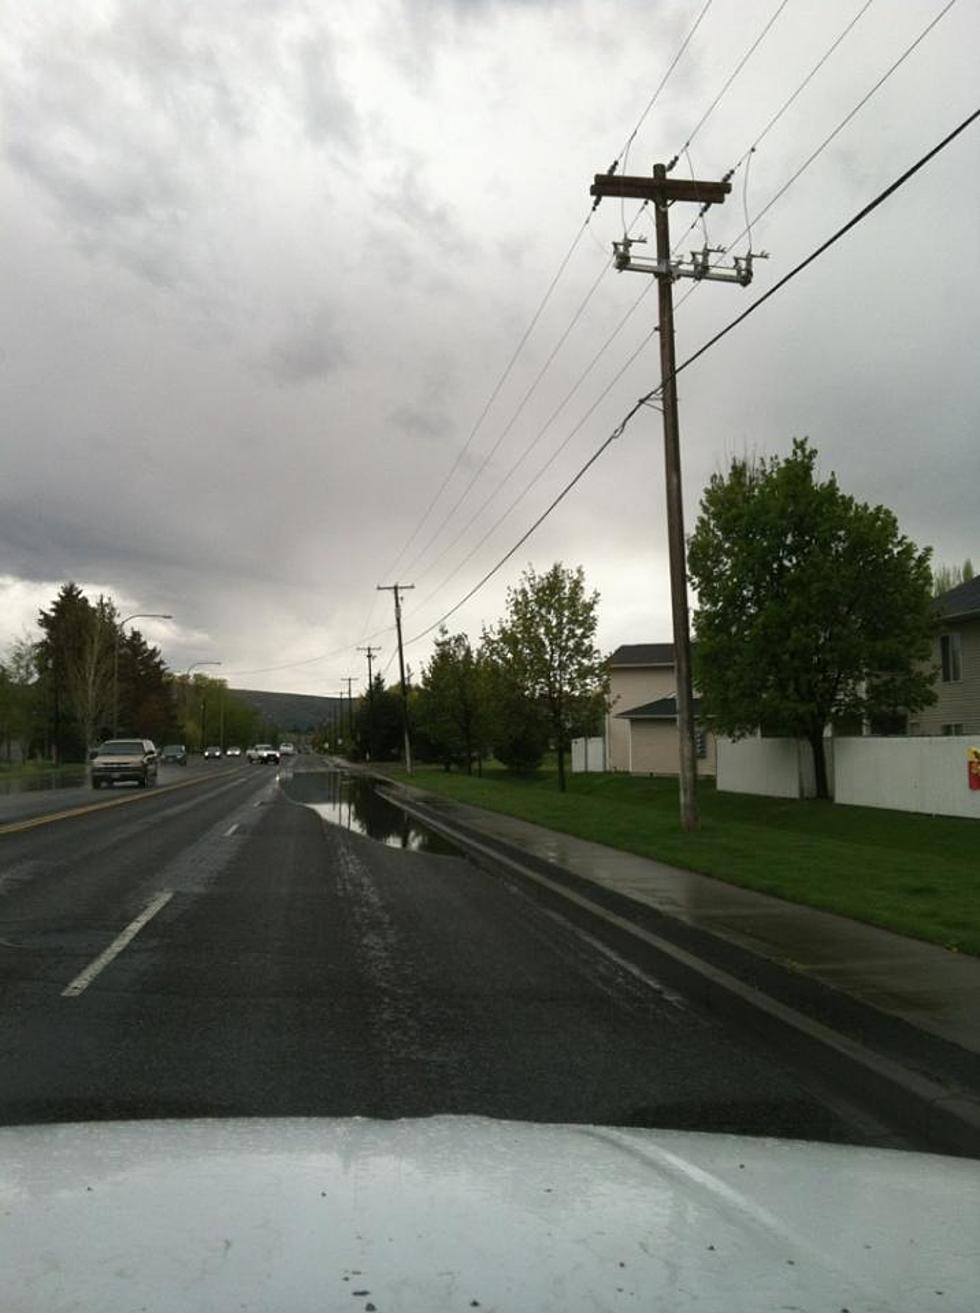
point(300, 713)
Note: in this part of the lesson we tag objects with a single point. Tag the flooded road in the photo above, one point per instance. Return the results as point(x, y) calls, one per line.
point(355, 803)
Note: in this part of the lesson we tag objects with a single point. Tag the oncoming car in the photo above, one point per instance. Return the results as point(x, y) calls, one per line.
point(263, 753)
point(174, 753)
point(212, 753)
point(124, 761)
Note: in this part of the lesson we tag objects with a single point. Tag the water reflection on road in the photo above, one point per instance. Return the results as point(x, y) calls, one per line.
point(355, 804)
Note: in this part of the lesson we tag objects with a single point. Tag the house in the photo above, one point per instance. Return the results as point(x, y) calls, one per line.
point(957, 656)
point(641, 726)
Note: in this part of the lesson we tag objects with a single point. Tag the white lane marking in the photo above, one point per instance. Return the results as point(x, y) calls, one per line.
point(82, 981)
point(231, 830)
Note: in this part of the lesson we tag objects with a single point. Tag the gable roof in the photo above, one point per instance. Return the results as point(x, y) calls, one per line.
point(961, 601)
point(661, 709)
point(643, 654)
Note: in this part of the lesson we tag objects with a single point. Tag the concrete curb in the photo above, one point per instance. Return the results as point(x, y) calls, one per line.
point(944, 1116)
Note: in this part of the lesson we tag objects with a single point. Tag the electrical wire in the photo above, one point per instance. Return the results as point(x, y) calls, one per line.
point(543, 470)
point(844, 122)
point(513, 419)
point(731, 78)
point(563, 264)
point(539, 436)
point(616, 433)
point(824, 246)
point(621, 426)
point(623, 153)
point(784, 107)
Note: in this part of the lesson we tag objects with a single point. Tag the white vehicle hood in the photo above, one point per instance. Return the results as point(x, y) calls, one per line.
point(465, 1213)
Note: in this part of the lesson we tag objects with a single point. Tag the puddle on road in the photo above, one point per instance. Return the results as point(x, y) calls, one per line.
point(68, 777)
point(355, 804)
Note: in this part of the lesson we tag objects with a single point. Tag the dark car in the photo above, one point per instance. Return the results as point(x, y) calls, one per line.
point(124, 761)
point(212, 753)
point(174, 753)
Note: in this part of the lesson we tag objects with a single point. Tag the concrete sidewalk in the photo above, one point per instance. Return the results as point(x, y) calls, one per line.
point(930, 988)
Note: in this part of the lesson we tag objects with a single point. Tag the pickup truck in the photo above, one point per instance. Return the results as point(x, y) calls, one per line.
point(263, 752)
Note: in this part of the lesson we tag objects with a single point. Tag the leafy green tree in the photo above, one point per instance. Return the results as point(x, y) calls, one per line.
point(545, 649)
point(811, 606)
point(146, 695)
point(75, 661)
point(451, 713)
point(519, 727)
point(20, 707)
point(377, 723)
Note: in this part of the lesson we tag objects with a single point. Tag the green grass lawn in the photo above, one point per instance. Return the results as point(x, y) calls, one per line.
point(919, 875)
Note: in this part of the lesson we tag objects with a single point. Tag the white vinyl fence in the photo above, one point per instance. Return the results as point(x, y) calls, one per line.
point(915, 774)
point(774, 768)
point(588, 755)
point(912, 775)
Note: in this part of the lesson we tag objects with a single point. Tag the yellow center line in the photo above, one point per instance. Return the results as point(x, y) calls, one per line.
point(140, 796)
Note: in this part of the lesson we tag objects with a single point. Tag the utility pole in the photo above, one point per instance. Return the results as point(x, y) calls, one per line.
point(663, 192)
point(398, 589)
point(349, 680)
point(337, 719)
point(370, 656)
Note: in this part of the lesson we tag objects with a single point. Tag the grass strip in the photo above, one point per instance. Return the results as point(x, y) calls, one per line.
point(918, 875)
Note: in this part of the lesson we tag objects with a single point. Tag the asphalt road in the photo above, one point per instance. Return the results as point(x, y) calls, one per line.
point(213, 947)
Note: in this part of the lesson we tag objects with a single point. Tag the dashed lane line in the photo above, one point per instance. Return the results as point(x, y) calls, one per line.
point(85, 978)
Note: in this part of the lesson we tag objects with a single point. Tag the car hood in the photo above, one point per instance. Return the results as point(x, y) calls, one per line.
point(467, 1213)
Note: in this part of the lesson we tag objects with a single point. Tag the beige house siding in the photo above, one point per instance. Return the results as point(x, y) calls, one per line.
point(629, 688)
point(957, 702)
point(655, 749)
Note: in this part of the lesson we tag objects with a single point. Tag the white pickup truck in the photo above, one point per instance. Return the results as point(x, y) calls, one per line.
point(263, 752)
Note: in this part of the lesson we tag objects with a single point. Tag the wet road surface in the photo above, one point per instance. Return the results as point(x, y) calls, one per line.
point(229, 948)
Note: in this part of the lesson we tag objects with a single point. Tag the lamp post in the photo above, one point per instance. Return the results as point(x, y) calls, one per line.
point(137, 615)
point(194, 666)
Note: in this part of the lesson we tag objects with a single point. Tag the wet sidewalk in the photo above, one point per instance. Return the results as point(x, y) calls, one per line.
point(926, 986)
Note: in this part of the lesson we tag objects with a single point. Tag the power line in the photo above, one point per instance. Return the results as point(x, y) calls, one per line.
point(617, 432)
point(495, 391)
point(738, 68)
point(551, 287)
point(663, 82)
point(621, 426)
point(861, 214)
point(411, 567)
point(545, 467)
point(746, 156)
point(539, 436)
point(845, 120)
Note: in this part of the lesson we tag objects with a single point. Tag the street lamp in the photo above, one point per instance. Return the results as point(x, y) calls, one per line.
point(194, 666)
point(137, 615)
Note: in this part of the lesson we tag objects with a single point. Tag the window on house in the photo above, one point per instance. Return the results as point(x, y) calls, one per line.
point(949, 652)
point(950, 730)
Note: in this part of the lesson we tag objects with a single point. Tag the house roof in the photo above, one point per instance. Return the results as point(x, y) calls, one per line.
point(662, 709)
point(643, 654)
point(961, 601)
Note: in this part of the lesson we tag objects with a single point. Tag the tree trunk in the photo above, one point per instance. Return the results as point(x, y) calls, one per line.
point(561, 766)
point(820, 764)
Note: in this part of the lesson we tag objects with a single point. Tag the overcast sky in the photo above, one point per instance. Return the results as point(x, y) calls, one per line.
point(265, 262)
